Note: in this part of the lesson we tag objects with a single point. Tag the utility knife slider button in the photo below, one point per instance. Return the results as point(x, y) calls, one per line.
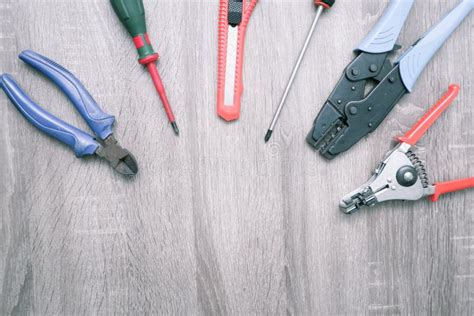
point(235, 12)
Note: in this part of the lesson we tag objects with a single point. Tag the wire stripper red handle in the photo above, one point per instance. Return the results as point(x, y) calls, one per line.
point(420, 128)
point(231, 111)
point(451, 186)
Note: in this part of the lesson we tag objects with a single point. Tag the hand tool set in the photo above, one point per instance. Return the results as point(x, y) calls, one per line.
point(402, 175)
point(349, 114)
point(132, 14)
point(321, 5)
point(81, 142)
point(234, 16)
point(352, 111)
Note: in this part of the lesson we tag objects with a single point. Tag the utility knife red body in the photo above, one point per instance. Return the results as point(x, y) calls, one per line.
point(234, 16)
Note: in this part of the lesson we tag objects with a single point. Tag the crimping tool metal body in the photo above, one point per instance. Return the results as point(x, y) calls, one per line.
point(402, 175)
point(349, 114)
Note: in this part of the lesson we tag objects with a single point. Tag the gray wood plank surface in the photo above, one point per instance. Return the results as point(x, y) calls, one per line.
point(217, 222)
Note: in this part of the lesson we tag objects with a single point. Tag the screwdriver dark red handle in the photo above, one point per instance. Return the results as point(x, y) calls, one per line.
point(420, 128)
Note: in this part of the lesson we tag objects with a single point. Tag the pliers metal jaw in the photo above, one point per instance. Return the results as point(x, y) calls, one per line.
point(104, 145)
point(119, 158)
point(402, 175)
point(350, 113)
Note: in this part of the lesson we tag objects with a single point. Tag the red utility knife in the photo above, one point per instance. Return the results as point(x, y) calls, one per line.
point(234, 16)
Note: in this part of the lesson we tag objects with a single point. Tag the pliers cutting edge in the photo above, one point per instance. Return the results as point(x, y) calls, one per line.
point(83, 144)
point(349, 114)
point(402, 175)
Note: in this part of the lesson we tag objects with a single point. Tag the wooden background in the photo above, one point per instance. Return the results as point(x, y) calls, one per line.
point(217, 222)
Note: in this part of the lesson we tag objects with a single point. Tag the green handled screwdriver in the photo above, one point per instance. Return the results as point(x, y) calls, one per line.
point(132, 15)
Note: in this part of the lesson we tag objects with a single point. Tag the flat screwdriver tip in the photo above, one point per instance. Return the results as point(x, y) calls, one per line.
point(175, 128)
point(268, 135)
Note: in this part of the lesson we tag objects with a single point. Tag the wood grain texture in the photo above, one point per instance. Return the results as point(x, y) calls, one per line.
point(217, 222)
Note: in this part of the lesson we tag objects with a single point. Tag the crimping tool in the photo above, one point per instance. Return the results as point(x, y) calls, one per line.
point(81, 142)
point(402, 175)
point(234, 16)
point(349, 114)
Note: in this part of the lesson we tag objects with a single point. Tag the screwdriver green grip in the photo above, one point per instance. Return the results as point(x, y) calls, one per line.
point(132, 15)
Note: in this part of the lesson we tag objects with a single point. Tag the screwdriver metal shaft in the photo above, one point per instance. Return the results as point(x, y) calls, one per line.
point(319, 11)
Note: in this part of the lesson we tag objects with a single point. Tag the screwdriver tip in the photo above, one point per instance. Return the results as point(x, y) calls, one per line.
point(268, 135)
point(175, 128)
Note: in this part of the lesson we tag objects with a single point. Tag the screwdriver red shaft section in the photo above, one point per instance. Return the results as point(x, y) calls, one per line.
point(155, 76)
point(132, 15)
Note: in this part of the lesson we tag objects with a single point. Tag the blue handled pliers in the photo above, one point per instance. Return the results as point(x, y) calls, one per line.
point(83, 144)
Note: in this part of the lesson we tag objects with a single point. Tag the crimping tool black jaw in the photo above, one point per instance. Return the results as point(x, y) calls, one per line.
point(323, 135)
point(349, 114)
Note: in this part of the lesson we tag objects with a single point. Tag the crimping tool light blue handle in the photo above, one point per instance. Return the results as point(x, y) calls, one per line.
point(414, 60)
point(99, 121)
point(384, 35)
point(82, 143)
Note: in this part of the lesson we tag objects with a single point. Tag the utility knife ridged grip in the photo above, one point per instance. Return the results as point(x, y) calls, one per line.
point(82, 143)
point(99, 121)
point(383, 37)
point(417, 57)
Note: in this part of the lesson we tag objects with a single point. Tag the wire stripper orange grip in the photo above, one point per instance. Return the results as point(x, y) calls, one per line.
point(420, 128)
point(451, 186)
point(234, 16)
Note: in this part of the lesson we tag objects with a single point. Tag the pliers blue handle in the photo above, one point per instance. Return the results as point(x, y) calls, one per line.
point(82, 143)
point(99, 121)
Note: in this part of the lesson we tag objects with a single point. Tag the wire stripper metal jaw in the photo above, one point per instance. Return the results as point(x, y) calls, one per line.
point(401, 176)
